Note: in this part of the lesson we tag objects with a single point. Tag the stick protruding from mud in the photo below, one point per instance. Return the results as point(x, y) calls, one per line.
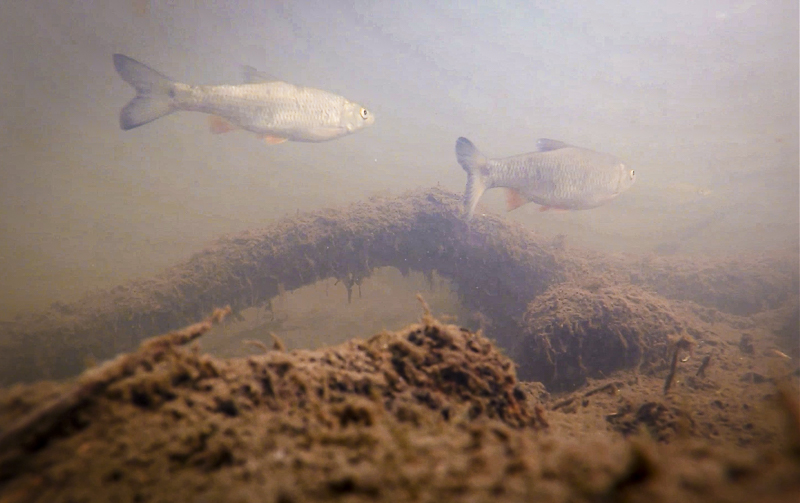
point(426, 309)
point(95, 380)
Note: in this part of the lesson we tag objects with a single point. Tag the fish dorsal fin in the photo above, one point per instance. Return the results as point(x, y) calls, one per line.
point(545, 145)
point(255, 76)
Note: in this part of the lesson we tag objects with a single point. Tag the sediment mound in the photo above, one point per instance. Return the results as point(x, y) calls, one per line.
point(572, 333)
point(432, 412)
point(165, 414)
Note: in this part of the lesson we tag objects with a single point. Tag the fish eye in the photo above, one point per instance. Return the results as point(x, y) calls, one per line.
point(364, 113)
point(632, 174)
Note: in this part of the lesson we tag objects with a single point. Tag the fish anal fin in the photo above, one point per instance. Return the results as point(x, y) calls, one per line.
point(219, 125)
point(272, 140)
point(552, 208)
point(514, 199)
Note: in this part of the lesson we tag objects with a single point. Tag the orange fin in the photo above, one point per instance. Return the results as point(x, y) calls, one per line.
point(219, 125)
point(273, 140)
point(514, 199)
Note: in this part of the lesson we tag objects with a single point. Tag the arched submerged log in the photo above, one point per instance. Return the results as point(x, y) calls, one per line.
point(498, 268)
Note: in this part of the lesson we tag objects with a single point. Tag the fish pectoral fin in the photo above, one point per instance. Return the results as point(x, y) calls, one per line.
point(218, 125)
point(272, 140)
point(514, 199)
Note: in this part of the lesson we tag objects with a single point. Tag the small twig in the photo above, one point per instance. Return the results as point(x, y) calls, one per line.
point(425, 308)
point(184, 335)
point(609, 386)
point(686, 343)
point(277, 343)
point(260, 345)
point(562, 403)
point(701, 372)
point(672, 369)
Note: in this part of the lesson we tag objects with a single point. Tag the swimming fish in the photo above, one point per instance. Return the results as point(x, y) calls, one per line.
point(557, 176)
point(276, 111)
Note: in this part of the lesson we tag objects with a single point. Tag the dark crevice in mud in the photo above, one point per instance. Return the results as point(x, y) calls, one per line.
point(497, 267)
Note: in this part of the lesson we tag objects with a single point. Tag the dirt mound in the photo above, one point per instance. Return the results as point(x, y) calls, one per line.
point(431, 412)
point(428, 365)
point(572, 333)
point(178, 411)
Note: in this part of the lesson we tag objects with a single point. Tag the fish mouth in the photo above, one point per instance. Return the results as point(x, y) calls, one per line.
point(352, 127)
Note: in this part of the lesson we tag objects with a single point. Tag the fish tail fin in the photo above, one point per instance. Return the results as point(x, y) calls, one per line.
point(154, 93)
point(475, 164)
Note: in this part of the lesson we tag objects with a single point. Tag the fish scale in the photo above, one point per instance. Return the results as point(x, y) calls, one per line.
point(264, 108)
point(276, 111)
point(557, 175)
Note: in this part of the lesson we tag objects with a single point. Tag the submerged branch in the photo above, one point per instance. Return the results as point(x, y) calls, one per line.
point(498, 267)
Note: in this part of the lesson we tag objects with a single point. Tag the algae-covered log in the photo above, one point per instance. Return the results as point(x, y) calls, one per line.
point(496, 265)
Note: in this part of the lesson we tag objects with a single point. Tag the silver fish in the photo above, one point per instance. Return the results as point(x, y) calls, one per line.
point(557, 176)
point(276, 111)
